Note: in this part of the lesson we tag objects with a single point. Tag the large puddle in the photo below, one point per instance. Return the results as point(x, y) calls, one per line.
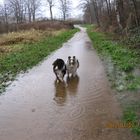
point(36, 107)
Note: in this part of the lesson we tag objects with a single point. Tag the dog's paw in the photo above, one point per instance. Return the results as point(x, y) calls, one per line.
point(62, 80)
point(57, 81)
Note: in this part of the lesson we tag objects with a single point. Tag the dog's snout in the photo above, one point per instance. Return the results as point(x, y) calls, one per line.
point(71, 62)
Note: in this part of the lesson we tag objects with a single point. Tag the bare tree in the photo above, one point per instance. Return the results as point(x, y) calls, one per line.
point(96, 10)
point(35, 4)
point(108, 5)
point(51, 5)
point(21, 9)
point(136, 12)
point(16, 8)
point(4, 13)
point(3, 18)
point(65, 6)
point(29, 9)
point(120, 13)
point(86, 6)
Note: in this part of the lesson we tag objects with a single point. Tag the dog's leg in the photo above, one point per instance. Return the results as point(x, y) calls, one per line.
point(57, 78)
point(68, 74)
point(74, 73)
point(61, 79)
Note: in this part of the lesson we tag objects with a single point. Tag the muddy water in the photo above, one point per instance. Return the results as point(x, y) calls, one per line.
point(36, 107)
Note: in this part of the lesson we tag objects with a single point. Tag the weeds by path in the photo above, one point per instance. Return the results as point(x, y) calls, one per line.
point(124, 60)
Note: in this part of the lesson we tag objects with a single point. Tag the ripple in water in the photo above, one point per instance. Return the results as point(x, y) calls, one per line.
point(91, 95)
point(75, 113)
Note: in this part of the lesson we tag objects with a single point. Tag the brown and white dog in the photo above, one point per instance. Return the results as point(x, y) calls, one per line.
point(72, 65)
point(59, 68)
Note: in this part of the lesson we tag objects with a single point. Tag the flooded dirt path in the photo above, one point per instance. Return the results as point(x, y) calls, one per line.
point(35, 107)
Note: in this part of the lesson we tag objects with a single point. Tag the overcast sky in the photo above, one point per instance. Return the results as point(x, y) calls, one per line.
point(75, 12)
point(1, 1)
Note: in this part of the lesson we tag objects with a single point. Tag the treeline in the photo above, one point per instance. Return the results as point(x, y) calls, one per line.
point(19, 11)
point(16, 12)
point(112, 14)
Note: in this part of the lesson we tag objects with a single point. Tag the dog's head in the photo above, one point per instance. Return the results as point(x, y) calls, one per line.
point(55, 63)
point(71, 61)
point(59, 63)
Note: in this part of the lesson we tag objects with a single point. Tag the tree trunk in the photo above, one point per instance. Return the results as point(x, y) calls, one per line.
point(136, 12)
point(6, 18)
point(34, 11)
point(107, 7)
point(110, 9)
point(108, 3)
point(96, 12)
point(33, 16)
point(51, 14)
point(64, 16)
point(29, 12)
point(120, 13)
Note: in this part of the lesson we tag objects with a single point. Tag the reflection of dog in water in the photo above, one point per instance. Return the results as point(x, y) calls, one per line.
point(72, 84)
point(60, 92)
point(61, 89)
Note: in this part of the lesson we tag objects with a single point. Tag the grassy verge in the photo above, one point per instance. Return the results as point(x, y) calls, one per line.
point(20, 57)
point(131, 115)
point(125, 61)
point(122, 69)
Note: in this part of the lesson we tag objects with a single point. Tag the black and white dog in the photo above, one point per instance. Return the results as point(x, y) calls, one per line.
point(59, 68)
point(72, 66)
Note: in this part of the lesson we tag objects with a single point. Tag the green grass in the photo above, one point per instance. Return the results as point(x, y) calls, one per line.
point(29, 55)
point(123, 57)
point(131, 116)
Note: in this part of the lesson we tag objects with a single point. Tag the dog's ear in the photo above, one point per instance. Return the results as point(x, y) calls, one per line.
point(54, 62)
point(69, 57)
point(74, 57)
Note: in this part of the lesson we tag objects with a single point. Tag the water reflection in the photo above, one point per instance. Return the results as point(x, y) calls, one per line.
point(60, 92)
point(72, 84)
